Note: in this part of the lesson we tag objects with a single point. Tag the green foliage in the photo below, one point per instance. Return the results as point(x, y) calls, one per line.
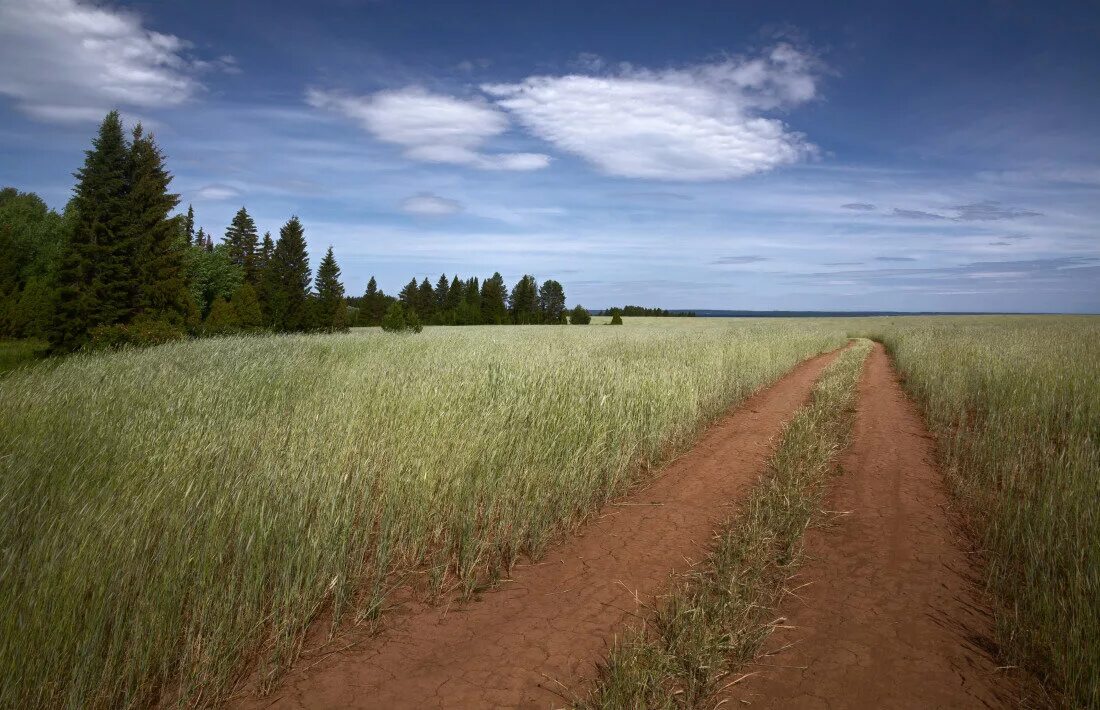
point(142, 332)
point(401, 319)
point(212, 275)
point(579, 316)
point(246, 308)
point(222, 319)
point(373, 305)
point(551, 302)
point(616, 319)
point(494, 295)
point(19, 353)
point(524, 302)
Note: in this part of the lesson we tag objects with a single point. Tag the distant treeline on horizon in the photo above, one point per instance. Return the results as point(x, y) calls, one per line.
point(638, 311)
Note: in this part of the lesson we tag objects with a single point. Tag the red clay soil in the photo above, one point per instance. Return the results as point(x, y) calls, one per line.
point(890, 617)
point(535, 639)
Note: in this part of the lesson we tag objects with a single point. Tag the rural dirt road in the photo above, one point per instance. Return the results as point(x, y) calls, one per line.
point(534, 640)
point(888, 618)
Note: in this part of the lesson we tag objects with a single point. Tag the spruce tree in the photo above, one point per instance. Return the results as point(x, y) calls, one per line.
point(243, 241)
point(394, 320)
point(456, 294)
point(524, 301)
point(441, 291)
point(579, 316)
point(493, 295)
point(425, 300)
point(409, 295)
point(189, 225)
point(616, 319)
point(222, 319)
point(95, 279)
point(156, 244)
point(332, 309)
point(286, 282)
point(373, 305)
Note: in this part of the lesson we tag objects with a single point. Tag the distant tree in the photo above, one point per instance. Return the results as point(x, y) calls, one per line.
point(616, 319)
point(493, 300)
point(409, 295)
point(442, 288)
point(212, 274)
point(552, 302)
point(524, 302)
point(332, 309)
point(222, 319)
point(579, 316)
point(412, 322)
point(246, 307)
point(425, 300)
point(189, 225)
point(394, 320)
point(286, 283)
point(373, 305)
point(456, 294)
point(95, 279)
point(242, 239)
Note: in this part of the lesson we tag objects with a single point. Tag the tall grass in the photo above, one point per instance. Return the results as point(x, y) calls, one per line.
point(1015, 405)
point(715, 617)
point(18, 353)
point(175, 517)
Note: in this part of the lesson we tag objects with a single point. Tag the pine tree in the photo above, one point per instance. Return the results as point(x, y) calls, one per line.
point(373, 305)
point(243, 241)
point(189, 225)
point(246, 306)
point(286, 282)
point(425, 300)
point(441, 290)
point(524, 301)
point(95, 281)
point(409, 295)
point(456, 294)
point(394, 320)
point(332, 309)
point(552, 302)
point(156, 246)
point(493, 295)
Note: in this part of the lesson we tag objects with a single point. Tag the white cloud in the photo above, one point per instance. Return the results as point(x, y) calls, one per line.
point(703, 122)
point(63, 60)
point(430, 205)
point(431, 127)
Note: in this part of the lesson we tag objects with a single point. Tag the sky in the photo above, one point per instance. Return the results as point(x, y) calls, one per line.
point(939, 156)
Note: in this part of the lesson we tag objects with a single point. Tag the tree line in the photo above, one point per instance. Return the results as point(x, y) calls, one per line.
point(651, 312)
point(119, 266)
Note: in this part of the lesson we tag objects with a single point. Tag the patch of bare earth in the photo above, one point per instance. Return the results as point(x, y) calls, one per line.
point(534, 640)
point(884, 612)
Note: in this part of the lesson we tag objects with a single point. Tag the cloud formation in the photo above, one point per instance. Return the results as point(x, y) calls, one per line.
point(430, 205)
point(750, 259)
point(217, 191)
point(432, 128)
point(703, 122)
point(990, 210)
point(859, 206)
point(916, 214)
point(63, 60)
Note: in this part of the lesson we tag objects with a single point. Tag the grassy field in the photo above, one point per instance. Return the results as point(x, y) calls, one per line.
point(18, 353)
point(177, 516)
point(715, 618)
point(1015, 405)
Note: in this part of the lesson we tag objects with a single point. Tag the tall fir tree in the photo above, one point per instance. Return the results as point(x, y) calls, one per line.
point(409, 295)
point(441, 289)
point(244, 242)
point(524, 301)
point(493, 300)
point(373, 305)
point(189, 225)
point(456, 294)
point(155, 236)
point(286, 282)
point(332, 309)
point(425, 300)
point(95, 278)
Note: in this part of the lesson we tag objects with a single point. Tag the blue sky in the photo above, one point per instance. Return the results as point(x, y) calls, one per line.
point(783, 155)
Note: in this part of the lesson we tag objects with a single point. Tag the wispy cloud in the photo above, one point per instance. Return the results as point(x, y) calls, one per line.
point(703, 122)
point(432, 128)
point(859, 206)
point(990, 210)
point(915, 214)
point(749, 259)
point(65, 61)
point(427, 204)
point(894, 258)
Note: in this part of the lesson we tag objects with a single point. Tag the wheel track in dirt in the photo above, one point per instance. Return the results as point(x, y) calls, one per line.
point(534, 640)
point(890, 616)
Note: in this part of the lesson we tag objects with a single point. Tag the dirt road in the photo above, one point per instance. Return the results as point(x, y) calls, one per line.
point(535, 639)
point(888, 618)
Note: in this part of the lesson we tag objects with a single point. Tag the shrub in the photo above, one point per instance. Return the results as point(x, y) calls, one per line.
point(579, 316)
point(222, 319)
point(616, 319)
point(141, 333)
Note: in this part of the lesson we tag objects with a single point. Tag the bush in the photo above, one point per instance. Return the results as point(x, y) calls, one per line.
point(143, 332)
point(616, 319)
point(399, 319)
point(222, 319)
point(579, 316)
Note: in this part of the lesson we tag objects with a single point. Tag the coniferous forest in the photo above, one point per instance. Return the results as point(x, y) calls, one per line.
point(122, 265)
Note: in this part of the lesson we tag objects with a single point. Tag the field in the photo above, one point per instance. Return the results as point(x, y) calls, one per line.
point(176, 518)
point(170, 512)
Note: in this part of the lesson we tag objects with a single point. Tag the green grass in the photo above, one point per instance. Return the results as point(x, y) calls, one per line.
point(19, 353)
point(1015, 405)
point(715, 618)
point(176, 517)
